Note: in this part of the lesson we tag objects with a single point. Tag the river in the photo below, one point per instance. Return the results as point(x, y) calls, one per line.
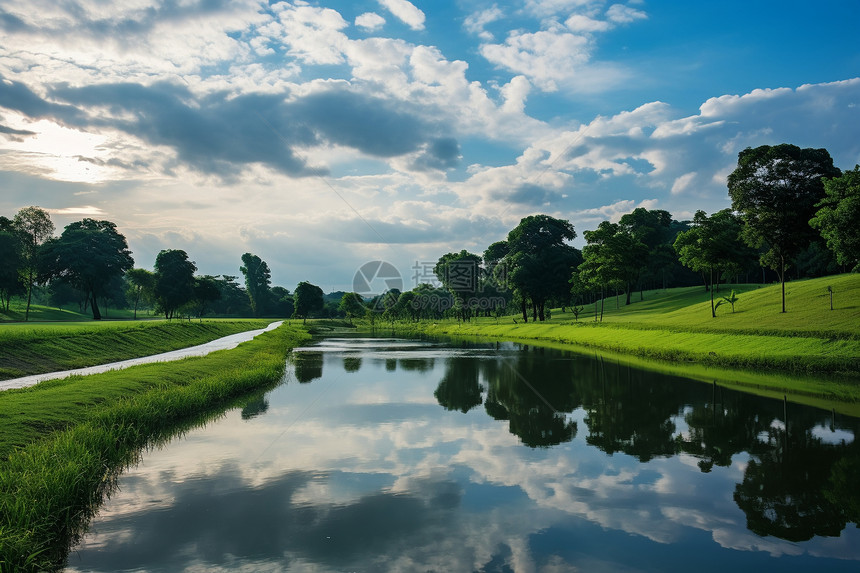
point(414, 455)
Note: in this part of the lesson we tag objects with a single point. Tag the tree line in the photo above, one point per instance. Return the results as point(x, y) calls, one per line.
point(90, 264)
point(792, 210)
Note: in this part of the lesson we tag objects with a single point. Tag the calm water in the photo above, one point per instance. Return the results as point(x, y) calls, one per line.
point(401, 455)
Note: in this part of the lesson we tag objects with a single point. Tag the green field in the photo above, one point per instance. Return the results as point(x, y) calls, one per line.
point(63, 442)
point(36, 348)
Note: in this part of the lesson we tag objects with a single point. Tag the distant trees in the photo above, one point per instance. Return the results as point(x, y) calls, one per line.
point(775, 189)
point(89, 255)
point(838, 217)
point(205, 291)
point(307, 298)
point(33, 226)
point(174, 281)
point(257, 281)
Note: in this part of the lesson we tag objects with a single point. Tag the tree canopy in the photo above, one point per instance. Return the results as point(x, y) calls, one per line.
point(308, 298)
point(539, 261)
point(838, 217)
point(89, 255)
point(257, 282)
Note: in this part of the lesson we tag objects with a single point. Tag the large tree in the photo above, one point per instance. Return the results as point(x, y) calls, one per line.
point(34, 226)
point(89, 255)
point(775, 189)
point(174, 281)
point(308, 298)
point(539, 261)
point(257, 282)
point(838, 217)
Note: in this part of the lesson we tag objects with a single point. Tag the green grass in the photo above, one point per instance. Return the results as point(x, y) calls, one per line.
point(36, 348)
point(62, 443)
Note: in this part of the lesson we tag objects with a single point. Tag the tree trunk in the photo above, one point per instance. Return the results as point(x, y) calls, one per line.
point(541, 314)
point(782, 279)
point(29, 294)
point(96, 314)
point(525, 311)
point(713, 310)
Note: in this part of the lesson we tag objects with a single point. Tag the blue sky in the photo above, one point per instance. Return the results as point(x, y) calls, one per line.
point(322, 135)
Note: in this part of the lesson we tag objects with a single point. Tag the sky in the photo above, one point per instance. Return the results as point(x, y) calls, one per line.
point(324, 135)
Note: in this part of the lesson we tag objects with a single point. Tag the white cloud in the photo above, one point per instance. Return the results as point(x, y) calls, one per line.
point(370, 21)
point(621, 14)
point(583, 23)
point(682, 183)
point(547, 57)
point(406, 12)
point(476, 23)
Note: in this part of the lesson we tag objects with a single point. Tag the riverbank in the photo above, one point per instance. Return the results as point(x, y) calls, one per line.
point(809, 351)
point(36, 348)
point(63, 442)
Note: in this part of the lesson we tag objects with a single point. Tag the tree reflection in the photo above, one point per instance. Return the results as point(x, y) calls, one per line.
point(533, 394)
point(308, 366)
point(459, 388)
point(795, 486)
point(352, 363)
point(798, 487)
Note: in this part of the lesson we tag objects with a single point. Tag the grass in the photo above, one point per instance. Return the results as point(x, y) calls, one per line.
point(62, 443)
point(36, 348)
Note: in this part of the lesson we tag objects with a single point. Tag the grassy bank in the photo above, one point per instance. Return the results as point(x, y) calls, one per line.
point(36, 348)
point(63, 442)
point(809, 350)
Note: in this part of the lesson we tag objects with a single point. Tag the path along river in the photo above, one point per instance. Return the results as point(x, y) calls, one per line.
point(224, 343)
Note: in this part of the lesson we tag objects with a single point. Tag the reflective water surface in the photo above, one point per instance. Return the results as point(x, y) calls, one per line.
point(405, 455)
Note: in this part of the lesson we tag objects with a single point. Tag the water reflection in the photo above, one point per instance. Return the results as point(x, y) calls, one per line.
point(389, 462)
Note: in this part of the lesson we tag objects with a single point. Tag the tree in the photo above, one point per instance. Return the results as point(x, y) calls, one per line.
point(141, 286)
point(33, 225)
point(775, 189)
point(712, 245)
point(257, 281)
point(174, 281)
point(308, 298)
point(352, 305)
point(11, 262)
point(89, 254)
point(539, 261)
point(838, 216)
